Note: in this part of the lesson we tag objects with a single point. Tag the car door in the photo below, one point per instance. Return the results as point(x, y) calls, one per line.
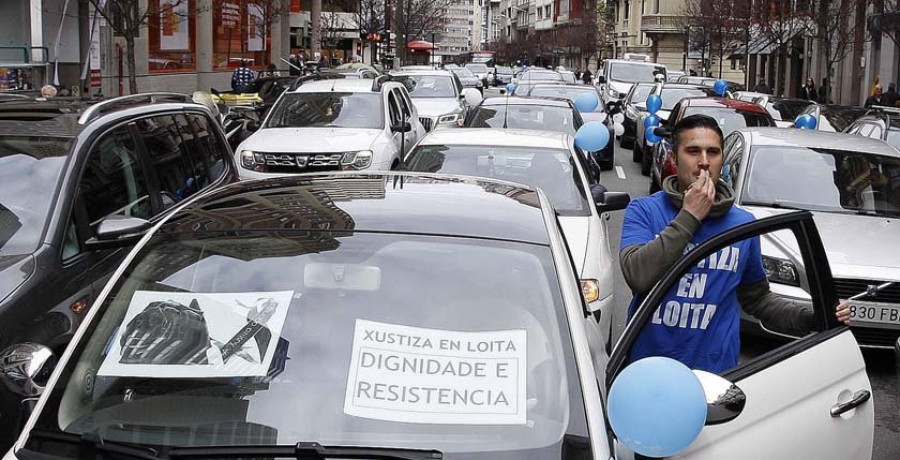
point(409, 113)
point(395, 118)
point(809, 398)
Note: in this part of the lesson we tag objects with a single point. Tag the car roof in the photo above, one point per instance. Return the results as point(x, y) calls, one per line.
point(546, 102)
point(723, 102)
point(498, 138)
point(682, 86)
point(40, 117)
point(784, 137)
point(444, 73)
point(350, 85)
point(388, 202)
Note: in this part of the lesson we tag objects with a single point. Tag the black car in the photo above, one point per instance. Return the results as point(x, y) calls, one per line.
point(541, 114)
point(834, 118)
point(77, 183)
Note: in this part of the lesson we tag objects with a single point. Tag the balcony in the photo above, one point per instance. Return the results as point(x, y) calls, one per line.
point(663, 24)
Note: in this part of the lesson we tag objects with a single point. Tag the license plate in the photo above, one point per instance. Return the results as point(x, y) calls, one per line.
point(874, 312)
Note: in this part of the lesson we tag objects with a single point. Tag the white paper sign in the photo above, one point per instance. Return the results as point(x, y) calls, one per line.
point(417, 375)
point(194, 335)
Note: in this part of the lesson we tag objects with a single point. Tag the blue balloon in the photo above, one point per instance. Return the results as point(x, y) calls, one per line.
point(654, 103)
point(721, 87)
point(587, 102)
point(510, 88)
point(805, 121)
point(592, 136)
point(651, 136)
point(652, 120)
point(657, 407)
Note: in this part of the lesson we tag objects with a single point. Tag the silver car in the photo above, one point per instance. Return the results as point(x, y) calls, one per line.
point(851, 184)
point(438, 96)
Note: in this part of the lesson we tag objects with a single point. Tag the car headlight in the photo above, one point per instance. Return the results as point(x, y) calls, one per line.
point(478, 84)
point(590, 289)
point(357, 160)
point(448, 118)
point(252, 160)
point(781, 271)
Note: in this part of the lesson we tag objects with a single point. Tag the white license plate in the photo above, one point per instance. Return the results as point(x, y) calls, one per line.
point(874, 312)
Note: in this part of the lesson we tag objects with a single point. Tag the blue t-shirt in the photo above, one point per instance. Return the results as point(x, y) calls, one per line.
point(698, 321)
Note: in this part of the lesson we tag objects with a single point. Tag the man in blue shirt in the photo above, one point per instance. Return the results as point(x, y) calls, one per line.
point(698, 322)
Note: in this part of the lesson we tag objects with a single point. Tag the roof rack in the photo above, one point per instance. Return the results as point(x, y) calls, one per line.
point(380, 80)
point(109, 105)
point(315, 77)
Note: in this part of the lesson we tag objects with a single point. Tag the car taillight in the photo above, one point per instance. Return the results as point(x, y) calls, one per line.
point(669, 168)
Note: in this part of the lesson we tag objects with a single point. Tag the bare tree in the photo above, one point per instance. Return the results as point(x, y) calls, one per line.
point(371, 24)
point(716, 26)
point(416, 19)
point(838, 28)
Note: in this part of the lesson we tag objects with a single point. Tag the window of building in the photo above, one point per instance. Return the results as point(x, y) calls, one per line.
point(171, 37)
point(241, 32)
point(548, 10)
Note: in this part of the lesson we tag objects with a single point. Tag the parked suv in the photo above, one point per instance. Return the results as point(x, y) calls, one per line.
point(78, 185)
point(333, 124)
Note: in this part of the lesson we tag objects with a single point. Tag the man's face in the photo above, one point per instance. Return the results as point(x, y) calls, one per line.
point(878, 91)
point(698, 149)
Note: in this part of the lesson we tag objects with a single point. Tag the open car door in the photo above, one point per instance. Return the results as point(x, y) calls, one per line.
point(810, 398)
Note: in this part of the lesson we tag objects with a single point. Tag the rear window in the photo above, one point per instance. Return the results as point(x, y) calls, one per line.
point(730, 120)
point(672, 96)
point(536, 117)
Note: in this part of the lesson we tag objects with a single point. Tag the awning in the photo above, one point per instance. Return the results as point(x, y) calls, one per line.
point(420, 45)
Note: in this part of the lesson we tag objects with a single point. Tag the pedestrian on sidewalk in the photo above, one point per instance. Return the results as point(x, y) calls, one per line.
point(876, 97)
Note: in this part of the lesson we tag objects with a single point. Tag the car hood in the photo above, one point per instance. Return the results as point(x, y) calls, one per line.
point(469, 80)
point(298, 140)
point(620, 87)
point(14, 270)
point(434, 107)
point(576, 230)
point(857, 246)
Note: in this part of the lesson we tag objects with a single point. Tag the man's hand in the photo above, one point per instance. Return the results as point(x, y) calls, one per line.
point(700, 196)
point(842, 312)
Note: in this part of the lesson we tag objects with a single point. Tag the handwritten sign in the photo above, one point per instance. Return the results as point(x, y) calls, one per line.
point(417, 375)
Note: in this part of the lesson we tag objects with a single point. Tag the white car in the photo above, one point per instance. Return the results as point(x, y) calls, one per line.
point(851, 184)
point(546, 160)
point(617, 76)
point(438, 96)
point(481, 71)
point(333, 124)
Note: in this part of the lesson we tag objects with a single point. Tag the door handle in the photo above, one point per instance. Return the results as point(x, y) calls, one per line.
point(859, 399)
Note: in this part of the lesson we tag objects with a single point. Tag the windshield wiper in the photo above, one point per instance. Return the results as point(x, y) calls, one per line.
point(305, 450)
point(777, 204)
point(90, 444)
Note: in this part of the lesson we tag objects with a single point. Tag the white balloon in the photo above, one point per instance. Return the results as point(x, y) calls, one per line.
point(619, 128)
point(618, 118)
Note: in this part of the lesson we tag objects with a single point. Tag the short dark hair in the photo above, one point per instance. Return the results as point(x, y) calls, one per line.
point(694, 122)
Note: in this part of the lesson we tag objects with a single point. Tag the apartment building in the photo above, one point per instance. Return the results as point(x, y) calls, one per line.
point(463, 30)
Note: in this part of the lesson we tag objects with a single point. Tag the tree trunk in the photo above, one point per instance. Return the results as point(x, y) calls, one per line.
point(129, 60)
point(315, 35)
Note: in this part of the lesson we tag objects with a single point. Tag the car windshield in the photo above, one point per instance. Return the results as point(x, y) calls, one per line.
point(30, 168)
point(516, 116)
point(477, 68)
point(672, 96)
point(562, 92)
point(339, 338)
point(640, 94)
point(833, 180)
point(786, 110)
point(328, 110)
point(428, 86)
point(504, 70)
point(837, 119)
point(552, 170)
point(540, 75)
point(633, 72)
point(463, 73)
point(730, 119)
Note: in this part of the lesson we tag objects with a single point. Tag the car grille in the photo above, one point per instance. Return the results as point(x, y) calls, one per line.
point(873, 337)
point(846, 288)
point(428, 123)
point(302, 162)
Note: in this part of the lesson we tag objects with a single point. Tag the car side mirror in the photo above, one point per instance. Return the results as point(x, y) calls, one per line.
point(116, 231)
point(613, 107)
point(403, 127)
point(502, 92)
point(613, 201)
point(601, 79)
point(253, 126)
point(25, 368)
point(724, 400)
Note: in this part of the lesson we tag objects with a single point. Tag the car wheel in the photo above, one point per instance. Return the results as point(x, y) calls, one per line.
point(626, 142)
point(645, 162)
point(637, 155)
point(607, 165)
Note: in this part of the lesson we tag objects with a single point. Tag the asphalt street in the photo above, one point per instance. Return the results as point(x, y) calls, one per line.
point(882, 370)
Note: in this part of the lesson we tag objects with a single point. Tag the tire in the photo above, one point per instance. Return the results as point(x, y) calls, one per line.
point(607, 165)
point(645, 163)
point(626, 142)
point(637, 155)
